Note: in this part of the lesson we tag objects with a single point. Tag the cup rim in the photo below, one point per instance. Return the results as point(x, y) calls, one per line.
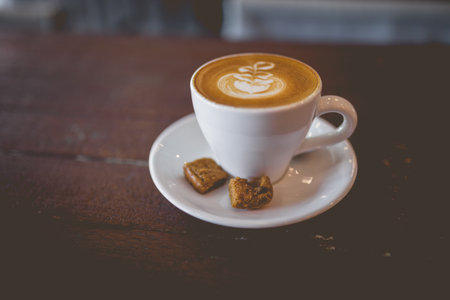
point(282, 107)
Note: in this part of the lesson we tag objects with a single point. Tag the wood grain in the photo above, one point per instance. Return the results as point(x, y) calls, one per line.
point(78, 115)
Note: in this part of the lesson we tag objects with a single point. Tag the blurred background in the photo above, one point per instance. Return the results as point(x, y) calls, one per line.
point(307, 21)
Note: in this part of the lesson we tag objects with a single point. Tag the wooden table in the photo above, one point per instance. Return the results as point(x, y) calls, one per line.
point(79, 211)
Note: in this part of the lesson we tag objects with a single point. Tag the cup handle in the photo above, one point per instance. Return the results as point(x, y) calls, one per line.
point(325, 105)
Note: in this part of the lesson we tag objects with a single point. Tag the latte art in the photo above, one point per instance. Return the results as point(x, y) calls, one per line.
point(251, 82)
point(255, 80)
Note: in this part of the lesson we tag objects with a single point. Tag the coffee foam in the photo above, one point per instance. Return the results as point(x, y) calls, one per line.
point(256, 80)
point(253, 81)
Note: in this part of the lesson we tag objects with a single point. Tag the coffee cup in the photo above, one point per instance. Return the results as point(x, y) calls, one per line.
point(255, 110)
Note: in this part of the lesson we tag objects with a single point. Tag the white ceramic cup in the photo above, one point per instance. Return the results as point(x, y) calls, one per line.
point(252, 142)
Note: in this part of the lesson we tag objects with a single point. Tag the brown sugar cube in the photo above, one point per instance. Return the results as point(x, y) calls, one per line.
point(204, 174)
point(250, 194)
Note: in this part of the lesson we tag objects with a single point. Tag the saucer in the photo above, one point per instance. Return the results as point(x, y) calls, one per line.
point(313, 183)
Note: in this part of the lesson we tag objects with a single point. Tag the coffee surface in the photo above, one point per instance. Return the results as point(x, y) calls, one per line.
point(256, 80)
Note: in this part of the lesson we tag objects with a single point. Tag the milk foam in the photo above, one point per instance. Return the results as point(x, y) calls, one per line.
point(252, 81)
point(255, 80)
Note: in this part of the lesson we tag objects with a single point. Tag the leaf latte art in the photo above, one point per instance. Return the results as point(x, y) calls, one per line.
point(255, 80)
point(252, 81)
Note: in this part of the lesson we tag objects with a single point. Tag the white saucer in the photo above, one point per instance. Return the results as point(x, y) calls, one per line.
point(314, 182)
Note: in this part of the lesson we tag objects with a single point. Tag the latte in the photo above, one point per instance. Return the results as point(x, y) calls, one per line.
point(255, 80)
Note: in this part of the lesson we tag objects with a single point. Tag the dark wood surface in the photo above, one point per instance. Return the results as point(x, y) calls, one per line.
point(81, 216)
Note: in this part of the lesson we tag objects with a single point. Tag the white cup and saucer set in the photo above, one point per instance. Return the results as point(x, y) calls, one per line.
point(311, 164)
